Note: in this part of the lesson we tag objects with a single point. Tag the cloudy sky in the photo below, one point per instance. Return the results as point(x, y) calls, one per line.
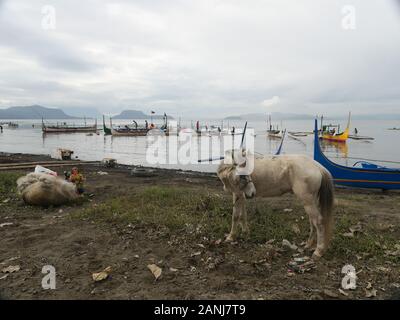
point(202, 57)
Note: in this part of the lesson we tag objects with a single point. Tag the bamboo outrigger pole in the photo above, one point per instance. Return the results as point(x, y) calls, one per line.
point(223, 157)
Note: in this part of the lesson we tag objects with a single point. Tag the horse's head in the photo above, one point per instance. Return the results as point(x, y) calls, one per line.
point(235, 173)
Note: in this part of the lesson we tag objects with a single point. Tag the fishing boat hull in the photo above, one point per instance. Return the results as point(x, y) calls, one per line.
point(56, 129)
point(357, 137)
point(342, 137)
point(356, 177)
point(130, 132)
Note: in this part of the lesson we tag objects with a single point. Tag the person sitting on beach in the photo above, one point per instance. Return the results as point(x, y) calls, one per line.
point(77, 178)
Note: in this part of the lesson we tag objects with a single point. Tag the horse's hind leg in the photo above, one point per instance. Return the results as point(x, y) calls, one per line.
point(316, 219)
point(312, 239)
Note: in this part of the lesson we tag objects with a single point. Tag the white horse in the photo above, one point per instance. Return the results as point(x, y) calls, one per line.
point(244, 176)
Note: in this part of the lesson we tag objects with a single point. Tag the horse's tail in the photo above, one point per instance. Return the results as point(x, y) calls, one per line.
point(326, 201)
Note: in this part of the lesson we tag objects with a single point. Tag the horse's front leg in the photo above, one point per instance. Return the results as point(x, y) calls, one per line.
point(243, 217)
point(238, 205)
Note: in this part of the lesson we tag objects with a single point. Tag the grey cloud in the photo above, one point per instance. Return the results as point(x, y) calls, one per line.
point(202, 57)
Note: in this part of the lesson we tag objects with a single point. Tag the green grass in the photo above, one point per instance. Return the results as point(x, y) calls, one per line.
point(174, 208)
point(369, 242)
point(8, 184)
point(191, 211)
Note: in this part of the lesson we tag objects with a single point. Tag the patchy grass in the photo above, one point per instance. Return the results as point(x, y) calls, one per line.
point(175, 208)
point(192, 211)
point(8, 183)
point(198, 212)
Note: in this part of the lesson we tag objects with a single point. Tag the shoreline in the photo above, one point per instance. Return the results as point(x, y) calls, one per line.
point(19, 157)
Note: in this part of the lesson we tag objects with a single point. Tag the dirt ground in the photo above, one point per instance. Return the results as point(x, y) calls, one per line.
point(195, 264)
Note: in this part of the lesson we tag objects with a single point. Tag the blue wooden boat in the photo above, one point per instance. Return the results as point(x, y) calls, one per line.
point(365, 177)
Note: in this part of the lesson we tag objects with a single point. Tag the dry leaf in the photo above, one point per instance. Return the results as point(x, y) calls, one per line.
point(11, 269)
point(330, 294)
point(155, 270)
point(173, 269)
point(4, 277)
point(370, 293)
point(286, 243)
point(102, 275)
point(295, 228)
point(195, 254)
point(348, 234)
point(343, 292)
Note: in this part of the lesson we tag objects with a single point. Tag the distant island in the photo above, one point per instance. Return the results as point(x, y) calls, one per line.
point(33, 112)
point(136, 114)
point(38, 112)
point(274, 115)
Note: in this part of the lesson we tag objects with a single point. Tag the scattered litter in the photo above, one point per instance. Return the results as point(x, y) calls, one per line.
point(40, 169)
point(102, 173)
point(173, 269)
point(286, 243)
point(6, 224)
point(353, 230)
point(302, 259)
point(287, 210)
point(302, 265)
point(155, 270)
point(102, 275)
point(136, 256)
point(201, 245)
point(11, 269)
point(6, 200)
point(192, 268)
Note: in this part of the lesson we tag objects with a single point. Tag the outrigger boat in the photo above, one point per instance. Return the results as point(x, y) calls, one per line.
point(368, 176)
point(273, 133)
point(129, 131)
point(328, 132)
point(107, 131)
point(65, 128)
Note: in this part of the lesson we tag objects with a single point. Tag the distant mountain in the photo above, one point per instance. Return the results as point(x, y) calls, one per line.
point(274, 116)
point(135, 114)
point(33, 112)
